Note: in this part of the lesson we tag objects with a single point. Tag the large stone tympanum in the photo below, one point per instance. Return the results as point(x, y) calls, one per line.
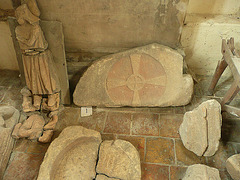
point(9, 116)
point(151, 75)
point(200, 130)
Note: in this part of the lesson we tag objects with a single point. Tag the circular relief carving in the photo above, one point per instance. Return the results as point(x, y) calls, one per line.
point(138, 79)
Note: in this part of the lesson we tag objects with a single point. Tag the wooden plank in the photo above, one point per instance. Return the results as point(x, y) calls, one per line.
point(218, 72)
point(12, 25)
point(231, 93)
point(53, 32)
point(232, 110)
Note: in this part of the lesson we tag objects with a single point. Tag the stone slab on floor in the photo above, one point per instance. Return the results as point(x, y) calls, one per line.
point(150, 76)
point(200, 130)
point(66, 159)
point(9, 116)
point(233, 166)
point(199, 171)
point(53, 32)
point(119, 159)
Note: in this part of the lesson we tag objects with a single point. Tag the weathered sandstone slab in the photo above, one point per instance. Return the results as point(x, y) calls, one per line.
point(151, 75)
point(119, 159)
point(9, 116)
point(201, 172)
point(72, 155)
point(200, 130)
point(233, 166)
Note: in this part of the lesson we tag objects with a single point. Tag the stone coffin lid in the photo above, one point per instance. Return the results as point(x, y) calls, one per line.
point(151, 76)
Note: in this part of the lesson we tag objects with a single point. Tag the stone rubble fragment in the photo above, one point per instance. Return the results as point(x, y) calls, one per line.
point(233, 166)
point(150, 76)
point(9, 116)
point(200, 130)
point(201, 172)
point(72, 155)
point(79, 153)
point(32, 128)
point(119, 159)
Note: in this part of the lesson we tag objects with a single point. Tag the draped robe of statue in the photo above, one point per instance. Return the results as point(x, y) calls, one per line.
point(40, 74)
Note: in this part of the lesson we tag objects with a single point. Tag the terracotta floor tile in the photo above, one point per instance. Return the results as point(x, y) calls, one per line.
point(37, 147)
point(223, 153)
point(100, 118)
point(137, 142)
point(177, 172)
point(169, 125)
point(162, 110)
point(23, 166)
point(87, 122)
point(160, 150)
point(118, 123)
point(108, 136)
point(179, 110)
point(145, 124)
point(186, 157)
point(154, 172)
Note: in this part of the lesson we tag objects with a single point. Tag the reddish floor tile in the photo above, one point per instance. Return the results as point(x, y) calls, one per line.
point(21, 145)
point(87, 122)
point(23, 166)
point(219, 159)
point(100, 118)
point(162, 110)
point(145, 124)
point(186, 157)
point(154, 172)
point(179, 110)
point(108, 137)
point(160, 150)
point(118, 123)
point(169, 125)
point(37, 147)
point(137, 142)
point(177, 172)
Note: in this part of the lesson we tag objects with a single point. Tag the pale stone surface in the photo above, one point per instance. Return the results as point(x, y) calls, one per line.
point(119, 159)
point(233, 166)
point(201, 172)
point(111, 26)
point(202, 39)
point(213, 8)
point(200, 130)
point(9, 116)
point(72, 155)
point(102, 177)
point(8, 58)
point(151, 75)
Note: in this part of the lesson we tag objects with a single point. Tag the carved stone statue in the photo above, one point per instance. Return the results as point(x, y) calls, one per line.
point(43, 87)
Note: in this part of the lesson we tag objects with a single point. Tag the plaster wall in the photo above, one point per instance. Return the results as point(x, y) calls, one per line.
point(8, 58)
point(202, 40)
point(213, 6)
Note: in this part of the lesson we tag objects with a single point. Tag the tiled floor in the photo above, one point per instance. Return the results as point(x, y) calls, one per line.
point(153, 131)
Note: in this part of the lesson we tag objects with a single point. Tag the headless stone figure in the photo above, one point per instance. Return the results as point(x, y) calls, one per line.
point(39, 69)
point(40, 74)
